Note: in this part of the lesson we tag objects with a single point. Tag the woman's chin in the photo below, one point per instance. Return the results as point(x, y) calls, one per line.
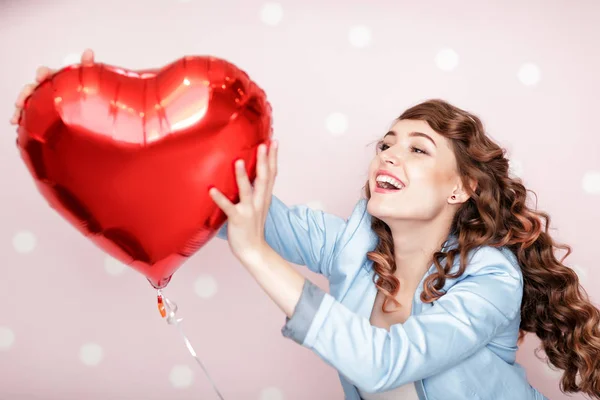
point(379, 209)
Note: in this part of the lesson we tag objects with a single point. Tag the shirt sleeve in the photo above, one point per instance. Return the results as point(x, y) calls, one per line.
point(458, 324)
point(301, 235)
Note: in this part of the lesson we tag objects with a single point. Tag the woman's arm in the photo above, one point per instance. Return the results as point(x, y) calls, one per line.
point(460, 323)
point(300, 234)
point(463, 321)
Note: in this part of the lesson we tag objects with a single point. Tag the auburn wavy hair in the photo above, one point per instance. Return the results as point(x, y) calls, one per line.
point(554, 306)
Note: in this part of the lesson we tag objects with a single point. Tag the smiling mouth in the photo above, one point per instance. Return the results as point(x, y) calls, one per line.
point(386, 182)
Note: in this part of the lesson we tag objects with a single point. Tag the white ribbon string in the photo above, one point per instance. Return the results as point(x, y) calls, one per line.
point(171, 317)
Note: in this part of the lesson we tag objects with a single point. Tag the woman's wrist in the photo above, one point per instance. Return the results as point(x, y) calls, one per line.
point(256, 256)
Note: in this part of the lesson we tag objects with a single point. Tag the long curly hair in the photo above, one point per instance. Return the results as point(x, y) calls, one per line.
point(554, 306)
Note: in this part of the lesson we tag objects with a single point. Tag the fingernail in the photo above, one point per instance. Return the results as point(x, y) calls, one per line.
point(239, 163)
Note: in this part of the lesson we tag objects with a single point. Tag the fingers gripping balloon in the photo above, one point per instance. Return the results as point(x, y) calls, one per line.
point(128, 157)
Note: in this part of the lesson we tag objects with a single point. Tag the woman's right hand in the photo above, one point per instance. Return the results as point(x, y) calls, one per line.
point(87, 58)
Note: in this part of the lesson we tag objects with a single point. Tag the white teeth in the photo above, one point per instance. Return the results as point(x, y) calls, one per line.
point(386, 178)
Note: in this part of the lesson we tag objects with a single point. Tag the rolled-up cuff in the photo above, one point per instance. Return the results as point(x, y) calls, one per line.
point(296, 327)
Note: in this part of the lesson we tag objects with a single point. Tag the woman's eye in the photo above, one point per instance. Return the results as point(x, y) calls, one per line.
point(383, 146)
point(417, 150)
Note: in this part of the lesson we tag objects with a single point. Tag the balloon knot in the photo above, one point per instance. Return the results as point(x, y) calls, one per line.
point(161, 306)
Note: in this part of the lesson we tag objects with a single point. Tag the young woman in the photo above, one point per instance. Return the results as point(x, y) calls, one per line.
point(435, 276)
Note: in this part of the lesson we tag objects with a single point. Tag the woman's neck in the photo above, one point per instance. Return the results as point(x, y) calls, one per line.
point(414, 246)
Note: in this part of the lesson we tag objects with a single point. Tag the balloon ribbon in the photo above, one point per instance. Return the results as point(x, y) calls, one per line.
point(168, 310)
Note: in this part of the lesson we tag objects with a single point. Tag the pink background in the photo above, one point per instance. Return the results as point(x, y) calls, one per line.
point(76, 325)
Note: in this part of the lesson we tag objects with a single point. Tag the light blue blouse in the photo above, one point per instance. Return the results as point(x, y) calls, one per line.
point(462, 346)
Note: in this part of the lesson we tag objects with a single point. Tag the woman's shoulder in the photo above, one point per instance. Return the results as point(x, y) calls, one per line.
point(492, 274)
point(493, 261)
point(484, 260)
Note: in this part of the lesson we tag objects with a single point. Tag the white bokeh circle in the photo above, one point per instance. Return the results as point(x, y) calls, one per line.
point(7, 338)
point(24, 241)
point(591, 182)
point(113, 267)
point(516, 168)
point(529, 74)
point(91, 354)
point(447, 59)
point(337, 123)
point(271, 393)
point(359, 36)
point(581, 272)
point(205, 286)
point(71, 58)
point(316, 205)
point(181, 376)
point(271, 14)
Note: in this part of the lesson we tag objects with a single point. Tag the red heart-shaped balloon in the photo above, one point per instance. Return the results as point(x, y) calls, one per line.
point(128, 157)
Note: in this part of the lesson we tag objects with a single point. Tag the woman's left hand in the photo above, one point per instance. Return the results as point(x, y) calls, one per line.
point(246, 219)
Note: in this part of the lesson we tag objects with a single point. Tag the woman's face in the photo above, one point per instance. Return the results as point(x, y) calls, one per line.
point(414, 174)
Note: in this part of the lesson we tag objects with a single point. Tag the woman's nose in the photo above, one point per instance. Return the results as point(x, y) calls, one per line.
point(389, 158)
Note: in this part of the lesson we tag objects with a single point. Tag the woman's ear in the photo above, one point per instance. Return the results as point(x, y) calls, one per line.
point(459, 194)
